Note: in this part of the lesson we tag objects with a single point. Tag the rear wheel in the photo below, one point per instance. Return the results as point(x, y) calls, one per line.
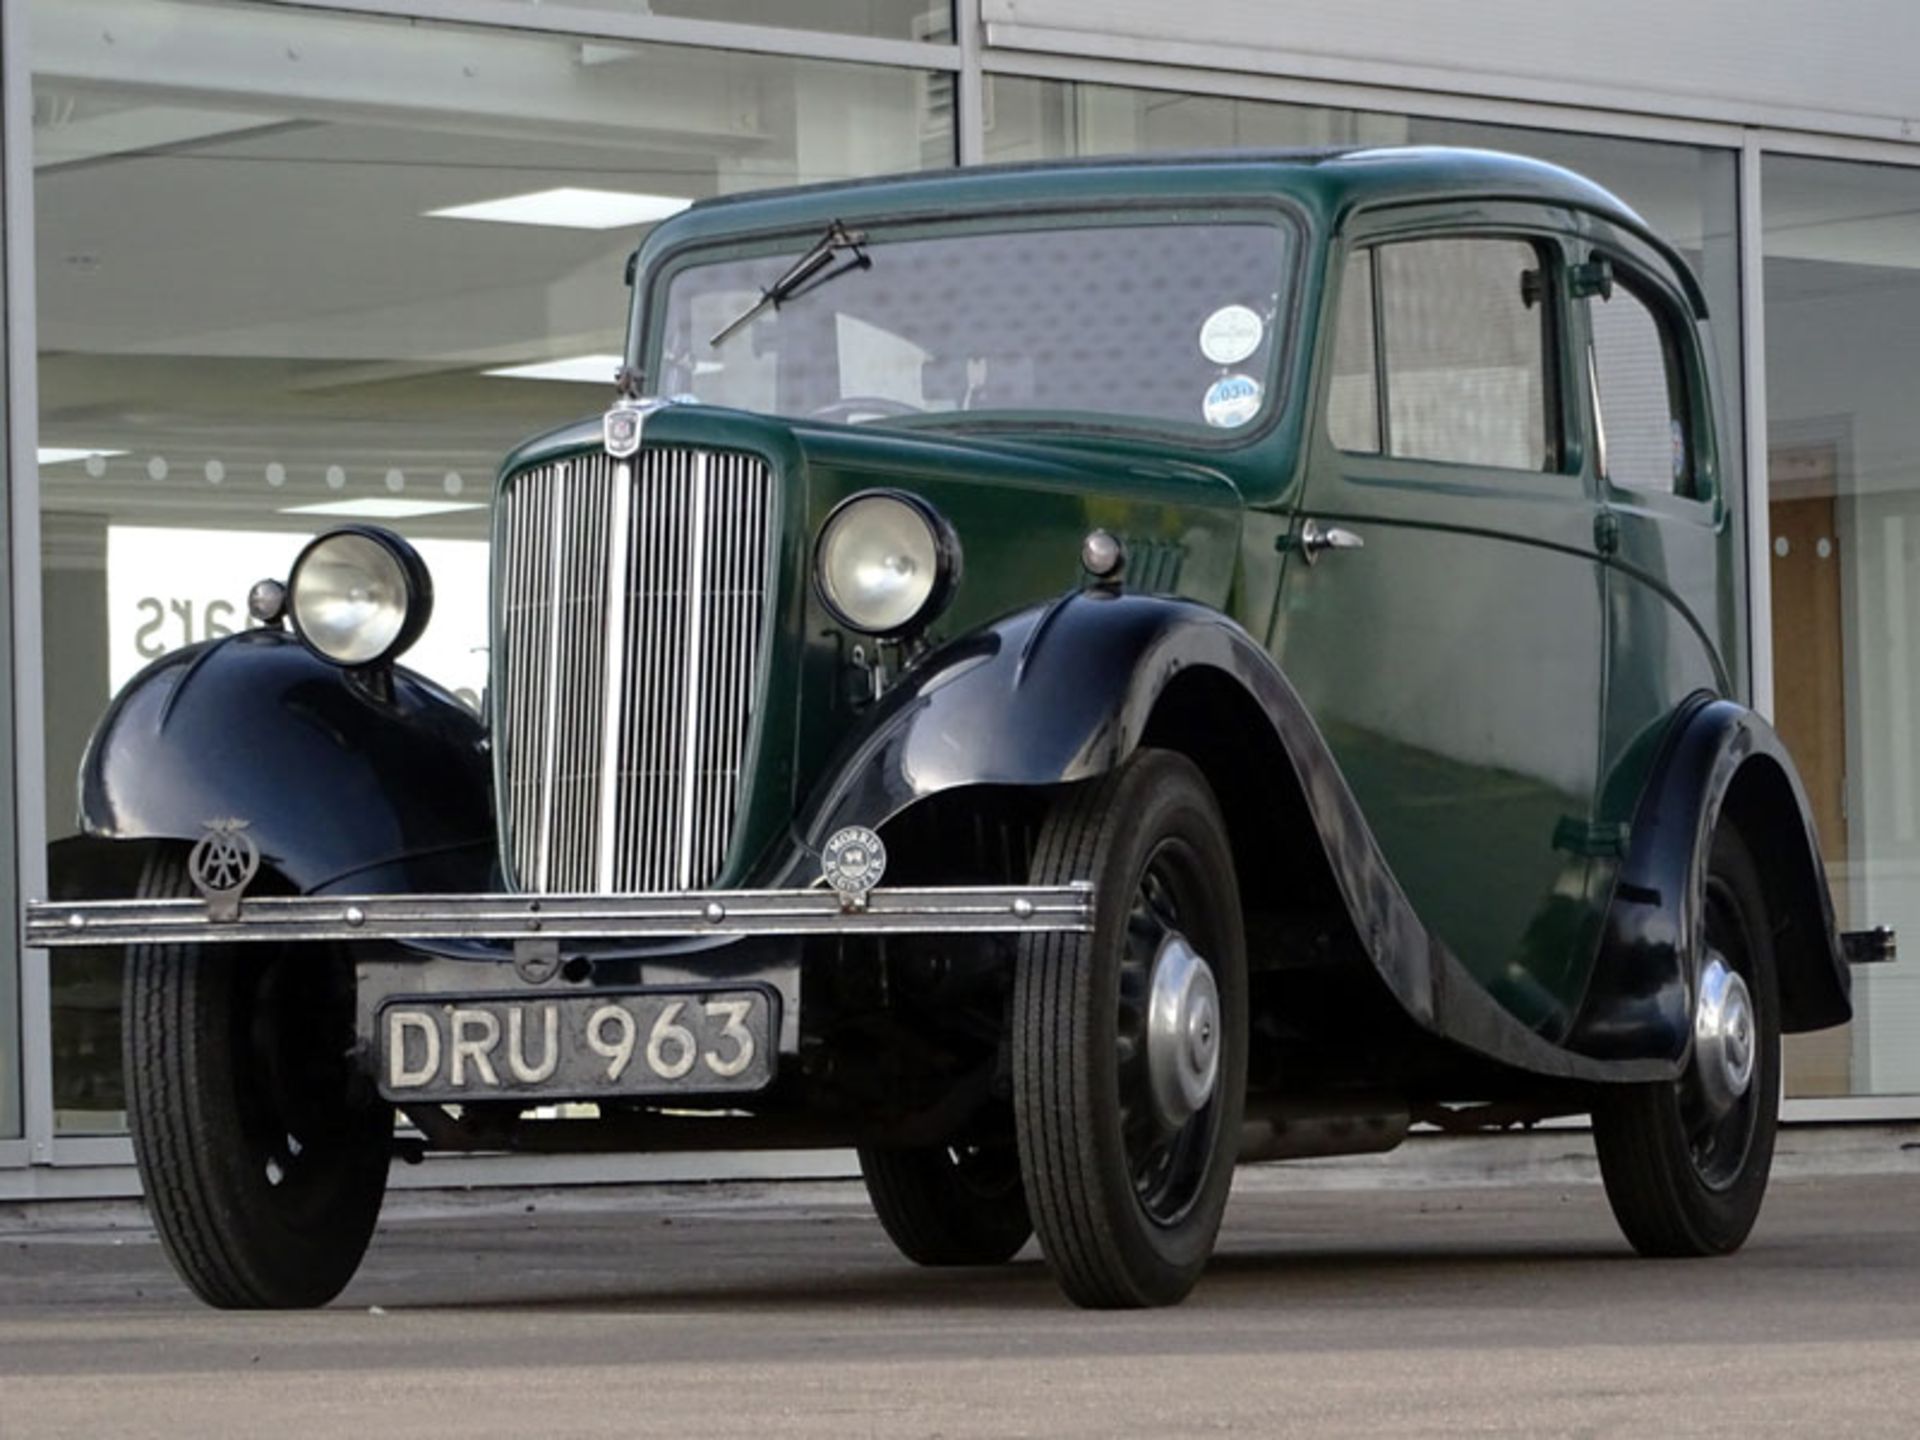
point(941, 1205)
point(263, 1159)
point(1129, 1044)
point(1686, 1161)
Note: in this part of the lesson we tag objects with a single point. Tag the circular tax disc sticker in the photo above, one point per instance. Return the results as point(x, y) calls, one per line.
point(1231, 334)
point(1232, 400)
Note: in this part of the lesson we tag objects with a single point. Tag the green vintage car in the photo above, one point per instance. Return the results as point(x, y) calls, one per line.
point(1063, 678)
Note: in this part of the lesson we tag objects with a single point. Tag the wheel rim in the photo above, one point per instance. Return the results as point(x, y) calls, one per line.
point(1170, 1038)
point(1720, 1092)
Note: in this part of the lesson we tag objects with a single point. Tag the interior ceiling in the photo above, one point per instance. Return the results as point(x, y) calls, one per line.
point(232, 272)
point(274, 293)
point(311, 240)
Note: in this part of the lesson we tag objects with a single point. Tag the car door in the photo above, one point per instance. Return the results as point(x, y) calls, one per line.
point(1453, 649)
point(1666, 537)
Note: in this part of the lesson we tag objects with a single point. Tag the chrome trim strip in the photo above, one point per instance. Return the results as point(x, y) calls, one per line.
point(551, 758)
point(905, 911)
point(618, 598)
point(696, 644)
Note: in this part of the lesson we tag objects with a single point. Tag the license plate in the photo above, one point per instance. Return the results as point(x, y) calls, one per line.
point(576, 1046)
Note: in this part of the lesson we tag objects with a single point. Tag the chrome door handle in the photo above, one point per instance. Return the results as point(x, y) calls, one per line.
point(1315, 537)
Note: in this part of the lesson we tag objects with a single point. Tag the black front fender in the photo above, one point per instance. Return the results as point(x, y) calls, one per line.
point(1058, 693)
point(340, 781)
point(1067, 691)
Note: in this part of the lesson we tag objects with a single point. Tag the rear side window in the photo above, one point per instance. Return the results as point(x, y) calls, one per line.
point(1462, 342)
point(1639, 396)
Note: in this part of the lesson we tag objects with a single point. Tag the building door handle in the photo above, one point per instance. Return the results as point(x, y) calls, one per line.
point(1315, 537)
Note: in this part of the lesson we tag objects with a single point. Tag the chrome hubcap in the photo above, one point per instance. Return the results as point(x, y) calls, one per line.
point(1723, 1039)
point(1183, 1032)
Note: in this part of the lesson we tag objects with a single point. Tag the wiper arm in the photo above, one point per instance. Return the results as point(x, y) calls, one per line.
point(807, 273)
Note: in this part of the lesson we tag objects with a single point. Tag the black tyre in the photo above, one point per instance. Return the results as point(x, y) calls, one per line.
point(264, 1162)
point(949, 1206)
point(1686, 1162)
point(1128, 1116)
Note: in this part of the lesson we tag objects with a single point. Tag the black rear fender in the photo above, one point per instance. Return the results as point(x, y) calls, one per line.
point(1721, 763)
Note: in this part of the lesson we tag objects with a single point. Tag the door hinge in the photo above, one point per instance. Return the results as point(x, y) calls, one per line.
point(1606, 532)
point(1595, 839)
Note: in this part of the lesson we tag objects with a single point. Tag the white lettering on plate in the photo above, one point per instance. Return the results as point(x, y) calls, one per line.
point(476, 1050)
point(517, 1045)
point(736, 1030)
point(617, 1052)
point(399, 1022)
point(670, 1034)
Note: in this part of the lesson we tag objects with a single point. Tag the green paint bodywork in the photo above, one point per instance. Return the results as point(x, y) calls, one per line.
point(1491, 672)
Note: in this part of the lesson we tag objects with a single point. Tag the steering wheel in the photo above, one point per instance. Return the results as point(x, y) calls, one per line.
point(847, 408)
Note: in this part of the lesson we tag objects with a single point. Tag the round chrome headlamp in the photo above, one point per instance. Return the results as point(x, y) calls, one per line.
point(359, 596)
point(886, 562)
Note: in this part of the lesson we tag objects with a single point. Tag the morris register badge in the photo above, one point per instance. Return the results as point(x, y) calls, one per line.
point(852, 862)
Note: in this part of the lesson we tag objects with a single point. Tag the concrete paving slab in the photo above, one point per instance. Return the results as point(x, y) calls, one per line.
point(781, 1310)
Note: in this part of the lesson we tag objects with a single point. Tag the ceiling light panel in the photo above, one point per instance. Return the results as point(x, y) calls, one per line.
point(580, 369)
point(60, 455)
point(570, 208)
point(382, 507)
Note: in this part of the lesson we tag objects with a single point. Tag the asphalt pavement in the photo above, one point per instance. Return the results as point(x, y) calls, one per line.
point(777, 1310)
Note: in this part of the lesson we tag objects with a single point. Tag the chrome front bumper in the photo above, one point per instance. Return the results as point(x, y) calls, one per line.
point(905, 911)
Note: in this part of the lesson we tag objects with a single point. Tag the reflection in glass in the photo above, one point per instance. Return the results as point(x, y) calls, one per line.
point(1687, 193)
point(11, 1077)
point(1842, 254)
point(888, 19)
point(254, 323)
point(1048, 319)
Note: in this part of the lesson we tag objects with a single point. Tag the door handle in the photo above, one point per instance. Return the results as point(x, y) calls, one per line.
point(1315, 537)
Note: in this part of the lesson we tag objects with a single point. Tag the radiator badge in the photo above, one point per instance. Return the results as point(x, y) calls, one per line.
point(222, 865)
point(622, 426)
point(852, 862)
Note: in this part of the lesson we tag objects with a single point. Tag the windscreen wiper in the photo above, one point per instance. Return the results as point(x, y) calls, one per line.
point(807, 273)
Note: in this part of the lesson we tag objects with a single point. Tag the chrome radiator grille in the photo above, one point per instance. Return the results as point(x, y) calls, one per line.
point(632, 609)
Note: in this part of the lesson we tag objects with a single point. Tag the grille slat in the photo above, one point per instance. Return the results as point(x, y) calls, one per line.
point(633, 603)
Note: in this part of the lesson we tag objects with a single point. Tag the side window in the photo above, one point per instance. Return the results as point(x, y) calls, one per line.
point(1639, 396)
point(1353, 392)
point(1465, 340)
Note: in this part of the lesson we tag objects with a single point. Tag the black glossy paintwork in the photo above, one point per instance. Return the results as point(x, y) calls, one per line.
point(1065, 692)
point(345, 784)
point(1720, 758)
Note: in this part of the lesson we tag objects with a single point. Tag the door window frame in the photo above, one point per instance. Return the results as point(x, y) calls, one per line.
point(1705, 500)
point(1567, 420)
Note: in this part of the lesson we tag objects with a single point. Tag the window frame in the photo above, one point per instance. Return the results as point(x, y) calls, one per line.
point(659, 262)
point(1680, 344)
point(1549, 243)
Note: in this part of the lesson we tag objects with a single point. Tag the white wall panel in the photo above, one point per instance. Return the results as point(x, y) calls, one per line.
point(1808, 64)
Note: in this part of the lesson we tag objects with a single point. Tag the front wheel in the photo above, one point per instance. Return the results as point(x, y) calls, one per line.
point(264, 1162)
point(1130, 1043)
point(1686, 1162)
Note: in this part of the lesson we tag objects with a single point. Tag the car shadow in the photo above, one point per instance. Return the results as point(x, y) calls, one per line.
point(1236, 1279)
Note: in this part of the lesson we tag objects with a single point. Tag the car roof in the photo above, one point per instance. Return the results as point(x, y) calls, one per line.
point(1347, 174)
point(1332, 180)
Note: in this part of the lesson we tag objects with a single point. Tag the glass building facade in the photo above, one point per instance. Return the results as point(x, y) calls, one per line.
point(268, 265)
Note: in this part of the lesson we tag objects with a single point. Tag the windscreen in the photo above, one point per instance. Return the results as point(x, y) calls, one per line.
point(1162, 322)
